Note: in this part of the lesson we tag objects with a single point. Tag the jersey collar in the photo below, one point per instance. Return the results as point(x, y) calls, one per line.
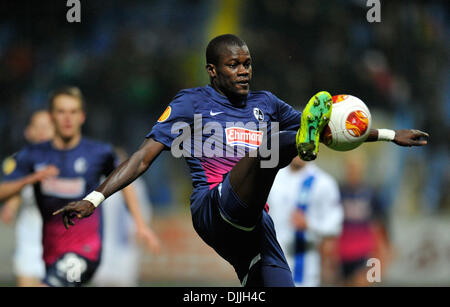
point(222, 98)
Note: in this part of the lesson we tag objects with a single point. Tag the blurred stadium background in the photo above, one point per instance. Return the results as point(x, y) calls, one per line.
point(131, 57)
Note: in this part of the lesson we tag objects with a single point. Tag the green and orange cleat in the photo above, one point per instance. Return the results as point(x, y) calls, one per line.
point(315, 118)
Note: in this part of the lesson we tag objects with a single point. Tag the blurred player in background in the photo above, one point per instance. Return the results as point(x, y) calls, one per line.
point(306, 210)
point(120, 254)
point(63, 169)
point(28, 264)
point(364, 234)
point(228, 202)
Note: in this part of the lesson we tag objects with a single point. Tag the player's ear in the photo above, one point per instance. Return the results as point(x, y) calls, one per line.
point(83, 117)
point(27, 133)
point(211, 69)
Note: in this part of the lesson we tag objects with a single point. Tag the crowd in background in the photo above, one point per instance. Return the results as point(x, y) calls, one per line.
point(131, 58)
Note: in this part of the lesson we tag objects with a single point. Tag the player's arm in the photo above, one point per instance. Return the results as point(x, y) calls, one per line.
point(299, 220)
point(327, 223)
point(9, 210)
point(122, 176)
point(329, 261)
point(143, 232)
point(405, 137)
point(13, 187)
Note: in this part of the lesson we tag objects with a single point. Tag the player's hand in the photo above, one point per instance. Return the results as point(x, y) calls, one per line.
point(79, 209)
point(298, 219)
point(42, 174)
point(410, 137)
point(148, 238)
point(8, 213)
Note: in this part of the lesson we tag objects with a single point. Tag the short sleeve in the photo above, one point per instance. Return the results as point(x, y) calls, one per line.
point(17, 166)
point(288, 117)
point(328, 212)
point(180, 111)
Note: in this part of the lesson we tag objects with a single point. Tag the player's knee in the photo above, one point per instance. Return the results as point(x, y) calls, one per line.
point(234, 211)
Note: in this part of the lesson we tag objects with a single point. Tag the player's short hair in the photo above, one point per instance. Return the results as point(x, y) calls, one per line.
point(68, 90)
point(215, 46)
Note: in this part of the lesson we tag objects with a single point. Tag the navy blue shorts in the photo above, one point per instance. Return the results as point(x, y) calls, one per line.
point(70, 270)
point(349, 268)
point(222, 221)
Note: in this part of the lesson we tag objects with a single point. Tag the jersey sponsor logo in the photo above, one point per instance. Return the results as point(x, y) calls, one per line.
point(9, 165)
point(63, 187)
point(80, 165)
point(165, 114)
point(243, 137)
point(357, 209)
point(208, 140)
point(259, 115)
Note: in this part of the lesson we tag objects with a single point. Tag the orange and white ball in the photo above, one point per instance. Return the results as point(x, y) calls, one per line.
point(349, 125)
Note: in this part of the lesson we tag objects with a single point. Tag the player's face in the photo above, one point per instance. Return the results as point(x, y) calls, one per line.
point(297, 163)
point(68, 116)
point(41, 128)
point(233, 73)
point(355, 172)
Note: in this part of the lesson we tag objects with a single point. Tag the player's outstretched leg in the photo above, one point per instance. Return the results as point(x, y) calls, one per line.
point(252, 183)
point(243, 193)
point(315, 117)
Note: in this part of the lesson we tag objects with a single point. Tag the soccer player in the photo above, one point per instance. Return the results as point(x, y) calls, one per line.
point(229, 160)
point(120, 253)
point(27, 261)
point(63, 169)
point(364, 233)
point(307, 213)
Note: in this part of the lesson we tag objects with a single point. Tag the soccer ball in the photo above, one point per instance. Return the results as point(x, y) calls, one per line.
point(349, 125)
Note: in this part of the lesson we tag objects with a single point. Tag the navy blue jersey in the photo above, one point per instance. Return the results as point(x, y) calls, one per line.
point(80, 170)
point(220, 132)
point(362, 207)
